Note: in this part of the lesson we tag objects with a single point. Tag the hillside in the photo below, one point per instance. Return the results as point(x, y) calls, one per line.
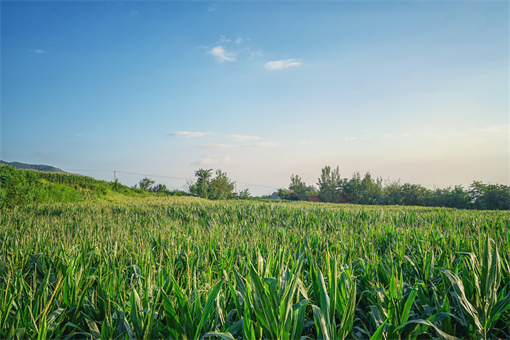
point(38, 167)
point(21, 187)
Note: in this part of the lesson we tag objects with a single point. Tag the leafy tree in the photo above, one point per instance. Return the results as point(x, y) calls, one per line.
point(221, 186)
point(455, 197)
point(353, 187)
point(145, 184)
point(284, 194)
point(299, 187)
point(330, 184)
point(244, 194)
point(392, 193)
point(490, 196)
point(415, 194)
point(371, 190)
point(201, 187)
point(159, 188)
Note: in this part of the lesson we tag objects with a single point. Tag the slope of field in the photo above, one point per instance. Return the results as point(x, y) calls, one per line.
point(37, 167)
point(189, 268)
point(20, 187)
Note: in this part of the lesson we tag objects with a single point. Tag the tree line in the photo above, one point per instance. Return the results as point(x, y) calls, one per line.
point(369, 190)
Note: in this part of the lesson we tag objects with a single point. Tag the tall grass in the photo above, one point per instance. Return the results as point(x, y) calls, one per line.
point(185, 268)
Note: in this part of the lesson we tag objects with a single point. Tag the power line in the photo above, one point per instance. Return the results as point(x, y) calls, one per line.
point(257, 185)
point(88, 170)
point(168, 177)
point(133, 173)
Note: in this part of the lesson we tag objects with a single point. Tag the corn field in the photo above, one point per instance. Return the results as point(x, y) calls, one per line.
point(186, 268)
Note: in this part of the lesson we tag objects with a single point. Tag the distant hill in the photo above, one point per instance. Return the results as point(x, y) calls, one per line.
point(38, 167)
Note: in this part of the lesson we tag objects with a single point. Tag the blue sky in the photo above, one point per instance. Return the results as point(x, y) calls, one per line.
point(262, 90)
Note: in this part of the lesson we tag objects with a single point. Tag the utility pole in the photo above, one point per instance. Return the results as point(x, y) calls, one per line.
point(235, 187)
point(114, 175)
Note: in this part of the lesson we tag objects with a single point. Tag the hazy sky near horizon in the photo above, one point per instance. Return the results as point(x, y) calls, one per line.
point(416, 91)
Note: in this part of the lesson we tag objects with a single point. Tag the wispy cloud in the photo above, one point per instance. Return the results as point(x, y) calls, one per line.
point(190, 134)
point(239, 40)
point(222, 55)
point(216, 146)
point(213, 161)
point(232, 146)
point(37, 51)
point(134, 13)
point(44, 153)
point(223, 40)
point(281, 64)
point(242, 138)
point(212, 8)
point(263, 144)
point(80, 135)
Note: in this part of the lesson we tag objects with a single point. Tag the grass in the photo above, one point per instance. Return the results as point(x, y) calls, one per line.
point(188, 268)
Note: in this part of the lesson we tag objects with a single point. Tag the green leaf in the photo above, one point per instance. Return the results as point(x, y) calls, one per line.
point(226, 336)
point(208, 307)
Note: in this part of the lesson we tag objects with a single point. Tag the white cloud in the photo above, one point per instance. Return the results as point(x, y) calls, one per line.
point(222, 55)
point(212, 8)
point(223, 40)
point(281, 64)
point(44, 153)
point(191, 134)
point(263, 144)
point(256, 54)
point(134, 13)
point(216, 146)
point(213, 161)
point(242, 138)
point(239, 40)
point(80, 135)
point(37, 51)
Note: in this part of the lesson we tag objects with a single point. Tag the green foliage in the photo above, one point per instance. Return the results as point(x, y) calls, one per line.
point(363, 191)
point(201, 187)
point(221, 186)
point(166, 267)
point(217, 188)
point(244, 194)
point(490, 196)
point(299, 187)
point(22, 187)
point(369, 190)
point(146, 183)
point(17, 187)
point(330, 184)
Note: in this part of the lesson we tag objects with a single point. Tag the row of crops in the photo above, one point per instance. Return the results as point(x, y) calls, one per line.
point(186, 268)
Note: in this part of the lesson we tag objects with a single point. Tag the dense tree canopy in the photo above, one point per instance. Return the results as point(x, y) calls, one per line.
point(370, 190)
point(219, 187)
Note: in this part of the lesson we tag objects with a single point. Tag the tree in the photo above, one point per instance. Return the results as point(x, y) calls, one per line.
point(455, 197)
point(330, 184)
point(146, 183)
point(490, 196)
point(201, 187)
point(392, 193)
point(415, 194)
point(221, 186)
point(299, 187)
point(159, 188)
point(244, 194)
